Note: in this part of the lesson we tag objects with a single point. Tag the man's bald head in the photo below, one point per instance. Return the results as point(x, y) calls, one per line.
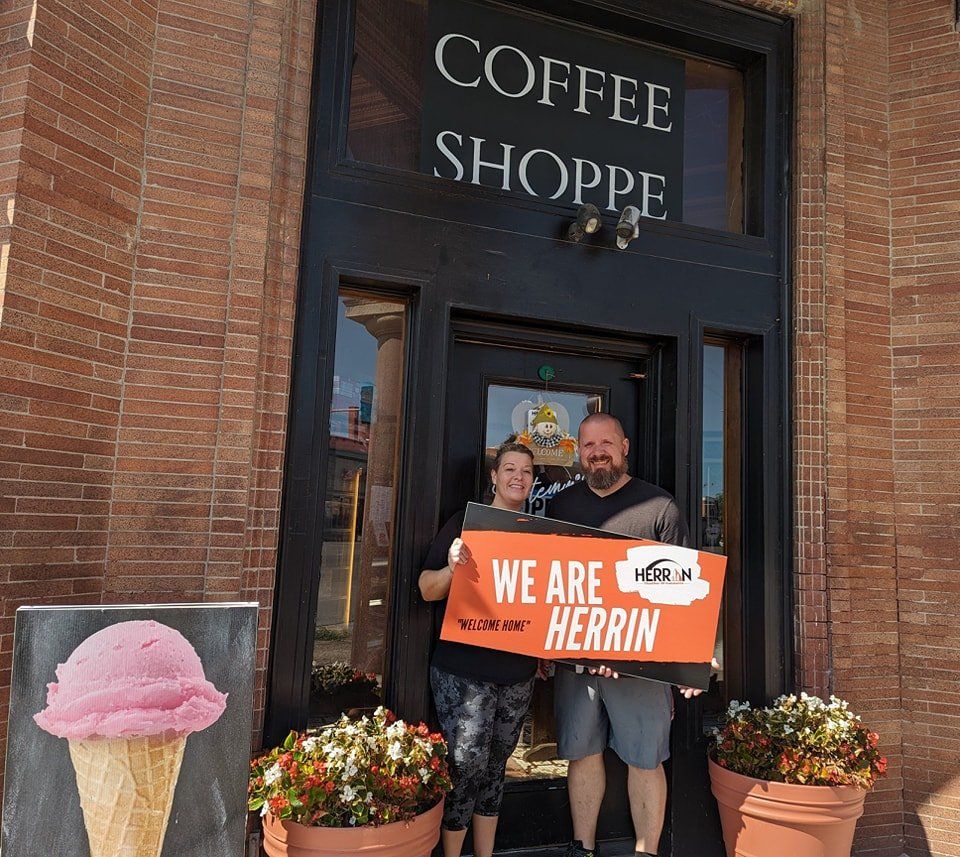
point(609, 419)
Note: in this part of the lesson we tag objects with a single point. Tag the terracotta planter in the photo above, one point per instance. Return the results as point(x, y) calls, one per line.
point(764, 819)
point(401, 839)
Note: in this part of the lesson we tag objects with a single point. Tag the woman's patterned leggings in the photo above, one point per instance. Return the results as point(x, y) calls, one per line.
point(481, 722)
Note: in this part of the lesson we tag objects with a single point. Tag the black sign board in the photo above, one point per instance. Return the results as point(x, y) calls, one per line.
point(554, 111)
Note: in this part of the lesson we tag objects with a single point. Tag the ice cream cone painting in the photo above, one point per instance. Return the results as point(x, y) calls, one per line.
point(129, 731)
point(126, 700)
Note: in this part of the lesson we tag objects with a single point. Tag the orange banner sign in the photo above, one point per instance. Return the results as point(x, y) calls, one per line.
point(552, 590)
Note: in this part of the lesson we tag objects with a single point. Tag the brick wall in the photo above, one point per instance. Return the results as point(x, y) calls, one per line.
point(925, 156)
point(151, 169)
point(152, 155)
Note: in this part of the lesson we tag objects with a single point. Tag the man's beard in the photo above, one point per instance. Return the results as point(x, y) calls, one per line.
point(606, 477)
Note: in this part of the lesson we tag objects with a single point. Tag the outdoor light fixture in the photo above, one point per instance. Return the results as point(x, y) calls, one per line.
point(587, 222)
point(628, 226)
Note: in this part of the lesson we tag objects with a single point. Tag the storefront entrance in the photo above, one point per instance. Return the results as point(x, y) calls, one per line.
point(499, 376)
point(441, 308)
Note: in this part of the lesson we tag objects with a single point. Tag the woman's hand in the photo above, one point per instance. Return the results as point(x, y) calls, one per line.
point(543, 668)
point(459, 554)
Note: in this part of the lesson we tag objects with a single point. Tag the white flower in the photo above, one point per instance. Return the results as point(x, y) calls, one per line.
point(369, 797)
point(396, 751)
point(348, 794)
point(264, 809)
point(372, 742)
point(272, 774)
point(311, 744)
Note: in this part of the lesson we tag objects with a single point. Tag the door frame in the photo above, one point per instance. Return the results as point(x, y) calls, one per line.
point(343, 197)
point(654, 420)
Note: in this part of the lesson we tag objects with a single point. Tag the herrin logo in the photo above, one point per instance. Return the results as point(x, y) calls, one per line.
point(662, 574)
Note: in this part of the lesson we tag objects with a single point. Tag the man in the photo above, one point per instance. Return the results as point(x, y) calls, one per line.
point(630, 715)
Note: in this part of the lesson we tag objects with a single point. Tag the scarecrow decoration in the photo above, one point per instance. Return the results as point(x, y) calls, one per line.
point(545, 428)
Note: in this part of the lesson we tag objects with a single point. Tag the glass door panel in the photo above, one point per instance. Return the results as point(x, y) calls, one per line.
point(358, 521)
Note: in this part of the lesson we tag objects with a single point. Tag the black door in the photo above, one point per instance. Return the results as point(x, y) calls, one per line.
point(403, 359)
point(498, 377)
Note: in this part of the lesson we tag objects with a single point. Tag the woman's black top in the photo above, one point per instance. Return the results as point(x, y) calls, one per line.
point(472, 661)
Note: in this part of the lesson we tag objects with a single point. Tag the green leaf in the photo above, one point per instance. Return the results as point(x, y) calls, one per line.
point(255, 803)
point(290, 741)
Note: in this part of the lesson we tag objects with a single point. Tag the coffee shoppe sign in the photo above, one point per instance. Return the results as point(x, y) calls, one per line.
point(553, 111)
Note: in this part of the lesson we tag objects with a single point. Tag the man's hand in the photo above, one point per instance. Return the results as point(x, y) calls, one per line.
point(606, 672)
point(543, 668)
point(459, 554)
point(691, 692)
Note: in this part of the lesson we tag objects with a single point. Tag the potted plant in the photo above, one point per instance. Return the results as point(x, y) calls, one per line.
point(374, 785)
point(337, 688)
point(791, 779)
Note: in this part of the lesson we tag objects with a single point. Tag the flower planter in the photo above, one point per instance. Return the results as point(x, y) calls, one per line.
point(416, 838)
point(327, 708)
point(767, 819)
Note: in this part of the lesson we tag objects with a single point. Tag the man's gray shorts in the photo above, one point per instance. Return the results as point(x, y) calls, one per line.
point(630, 715)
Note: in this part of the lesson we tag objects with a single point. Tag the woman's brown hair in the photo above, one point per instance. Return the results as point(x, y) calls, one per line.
point(511, 446)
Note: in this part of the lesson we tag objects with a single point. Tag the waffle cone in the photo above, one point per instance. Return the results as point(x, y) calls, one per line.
point(126, 790)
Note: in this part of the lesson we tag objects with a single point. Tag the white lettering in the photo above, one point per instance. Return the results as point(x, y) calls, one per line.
point(652, 90)
point(526, 592)
point(441, 66)
point(491, 78)
point(591, 639)
point(647, 632)
point(593, 582)
point(619, 98)
point(613, 641)
point(576, 628)
point(575, 576)
point(648, 179)
point(549, 80)
point(618, 191)
point(579, 186)
point(557, 628)
point(564, 173)
point(554, 584)
point(442, 146)
point(505, 580)
point(584, 89)
point(504, 167)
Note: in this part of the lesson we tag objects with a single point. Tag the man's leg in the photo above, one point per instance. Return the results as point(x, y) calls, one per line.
point(648, 803)
point(582, 732)
point(640, 713)
point(586, 781)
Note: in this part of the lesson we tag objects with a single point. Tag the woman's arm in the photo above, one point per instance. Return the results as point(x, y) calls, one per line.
point(435, 583)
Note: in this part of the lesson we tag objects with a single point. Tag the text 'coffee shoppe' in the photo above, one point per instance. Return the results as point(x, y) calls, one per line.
point(552, 114)
point(449, 358)
point(520, 217)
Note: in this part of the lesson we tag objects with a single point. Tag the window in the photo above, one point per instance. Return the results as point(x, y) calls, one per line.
point(720, 501)
point(358, 519)
point(387, 108)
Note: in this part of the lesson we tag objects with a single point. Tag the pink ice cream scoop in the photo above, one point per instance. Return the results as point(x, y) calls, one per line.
point(131, 680)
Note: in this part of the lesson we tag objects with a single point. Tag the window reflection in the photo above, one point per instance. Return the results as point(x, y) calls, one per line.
point(386, 105)
point(356, 558)
point(720, 509)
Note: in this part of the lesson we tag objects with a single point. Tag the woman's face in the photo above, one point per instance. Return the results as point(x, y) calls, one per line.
point(513, 480)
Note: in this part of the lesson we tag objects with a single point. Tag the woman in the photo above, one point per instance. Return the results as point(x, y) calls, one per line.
point(481, 695)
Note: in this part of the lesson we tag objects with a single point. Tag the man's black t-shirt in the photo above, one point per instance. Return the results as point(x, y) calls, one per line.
point(638, 509)
point(472, 661)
